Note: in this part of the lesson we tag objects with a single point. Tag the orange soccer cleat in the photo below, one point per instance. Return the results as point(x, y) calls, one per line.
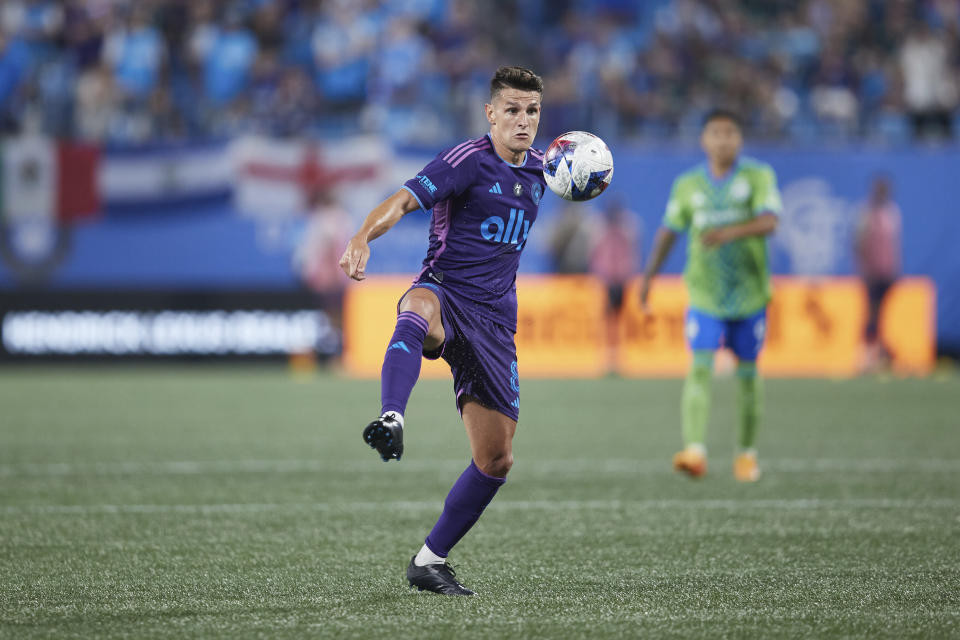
point(692, 461)
point(745, 467)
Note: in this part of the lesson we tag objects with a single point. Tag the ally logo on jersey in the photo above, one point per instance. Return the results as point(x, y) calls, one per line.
point(513, 231)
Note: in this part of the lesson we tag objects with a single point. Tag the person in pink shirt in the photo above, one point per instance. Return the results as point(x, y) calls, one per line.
point(877, 251)
point(613, 258)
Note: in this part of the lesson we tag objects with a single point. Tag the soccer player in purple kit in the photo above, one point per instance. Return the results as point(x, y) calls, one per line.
point(463, 305)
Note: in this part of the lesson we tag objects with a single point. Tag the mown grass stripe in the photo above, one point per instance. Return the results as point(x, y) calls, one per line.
point(204, 467)
point(502, 505)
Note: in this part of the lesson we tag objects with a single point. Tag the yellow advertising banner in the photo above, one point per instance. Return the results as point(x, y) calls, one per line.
point(560, 327)
point(369, 315)
point(560, 330)
point(814, 328)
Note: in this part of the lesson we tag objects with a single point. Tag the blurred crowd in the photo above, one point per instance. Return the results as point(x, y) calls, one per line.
point(803, 71)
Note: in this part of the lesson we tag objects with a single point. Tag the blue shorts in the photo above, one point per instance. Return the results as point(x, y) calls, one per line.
point(482, 354)
point(743, 336)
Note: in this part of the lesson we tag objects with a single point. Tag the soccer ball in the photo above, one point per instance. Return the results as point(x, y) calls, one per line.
point(577, 166)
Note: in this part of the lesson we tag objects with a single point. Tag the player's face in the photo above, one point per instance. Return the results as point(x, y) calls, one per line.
point(721, 141)
point(514, 116)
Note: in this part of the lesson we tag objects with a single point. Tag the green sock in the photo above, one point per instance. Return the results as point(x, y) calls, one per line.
point(695, 405)
point(751, 404)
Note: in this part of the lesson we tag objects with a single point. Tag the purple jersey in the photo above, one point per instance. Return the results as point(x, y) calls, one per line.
point(483, 209)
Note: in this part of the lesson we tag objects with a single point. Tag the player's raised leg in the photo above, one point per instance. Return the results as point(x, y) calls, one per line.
point(491, 437)
point(418, 326)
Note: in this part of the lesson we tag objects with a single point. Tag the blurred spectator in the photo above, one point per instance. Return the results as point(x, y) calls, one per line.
point(929, 89)
point(615, 254)
point(36, 21)
point(201, 32)
point(614, 257)
point(405, 84)
point(571, 240)
point(292, 106)
point(14, 65)
point(136, 53)
point(84, 32)
point(832, 97)
point(343, 44)
point(878, 253)
point(318, 253)
point(402, 63)
point(227, 58)
point(268, 26)
point(94, 105)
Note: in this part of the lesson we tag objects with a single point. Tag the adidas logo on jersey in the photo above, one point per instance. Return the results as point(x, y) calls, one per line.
point(496, 188)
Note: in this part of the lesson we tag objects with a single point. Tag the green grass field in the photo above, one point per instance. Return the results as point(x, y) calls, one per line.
point(207, 502)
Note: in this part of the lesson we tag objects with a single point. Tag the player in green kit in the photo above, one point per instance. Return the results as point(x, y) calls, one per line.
point(727, 207)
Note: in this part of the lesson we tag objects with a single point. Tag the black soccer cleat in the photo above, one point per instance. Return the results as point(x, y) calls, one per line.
point(438, 578)
point(386, 436)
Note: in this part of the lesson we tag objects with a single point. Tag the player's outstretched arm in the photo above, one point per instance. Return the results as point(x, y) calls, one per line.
point(662, 245)
point(762, 225)
point(381, 219)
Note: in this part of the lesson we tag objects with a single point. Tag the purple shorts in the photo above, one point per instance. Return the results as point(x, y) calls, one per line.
point(482, 354)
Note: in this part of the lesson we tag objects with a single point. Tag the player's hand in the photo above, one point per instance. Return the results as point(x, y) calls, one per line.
point(354, 259)
point(645, 294)
point(717, 237)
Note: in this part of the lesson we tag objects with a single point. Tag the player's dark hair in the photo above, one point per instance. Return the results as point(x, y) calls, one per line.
point(515, 78)
point(720, 113)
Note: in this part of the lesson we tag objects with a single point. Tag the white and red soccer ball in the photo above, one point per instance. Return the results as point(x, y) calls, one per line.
point(577, 166)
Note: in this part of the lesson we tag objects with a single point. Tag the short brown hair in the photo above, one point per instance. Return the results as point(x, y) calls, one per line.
point(515, 78)
point(721, 113)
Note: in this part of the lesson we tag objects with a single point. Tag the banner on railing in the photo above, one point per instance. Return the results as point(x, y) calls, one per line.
point(148, 325)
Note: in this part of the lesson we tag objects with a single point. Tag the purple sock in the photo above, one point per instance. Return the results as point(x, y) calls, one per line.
point(470, 495)
point(401, 365)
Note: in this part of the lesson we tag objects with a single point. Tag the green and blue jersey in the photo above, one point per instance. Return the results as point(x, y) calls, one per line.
point(730, 280)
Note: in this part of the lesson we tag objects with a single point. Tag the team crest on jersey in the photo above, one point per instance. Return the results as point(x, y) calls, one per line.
point(740, 189)
point(536, 192)
point(517, 189)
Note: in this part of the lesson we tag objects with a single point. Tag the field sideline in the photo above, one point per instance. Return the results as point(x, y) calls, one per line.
point(179, 502)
